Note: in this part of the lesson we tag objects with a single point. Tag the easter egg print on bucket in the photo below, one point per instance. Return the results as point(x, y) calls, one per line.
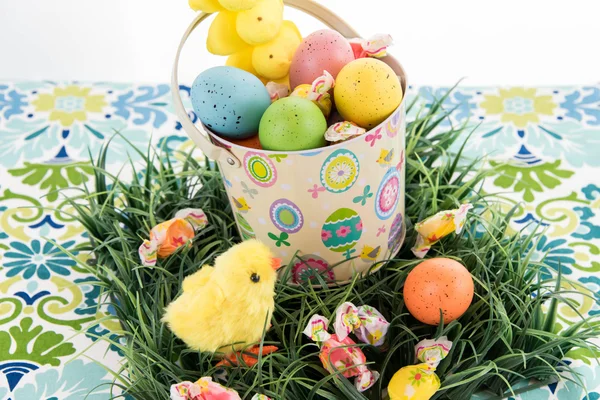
point(391, 126)
point(396, 238)
point(388, 194)
point(246, 230)
point(340, 171)
point(309, 268)
point(286, 216)
point(342, 230)
point(260, 169)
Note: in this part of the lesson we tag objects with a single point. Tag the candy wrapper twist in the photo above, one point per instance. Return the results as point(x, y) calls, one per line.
point(170, 235)
point(438, 226)
point(376, 46)
point(366, 322)
point(277, 91)
point(205, 389)
point(318, 92)
point(419, 382)
point(339, 351)
point(342, 131)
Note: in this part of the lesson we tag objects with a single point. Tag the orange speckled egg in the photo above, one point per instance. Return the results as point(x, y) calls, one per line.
point(438, 283)
point(251, 142)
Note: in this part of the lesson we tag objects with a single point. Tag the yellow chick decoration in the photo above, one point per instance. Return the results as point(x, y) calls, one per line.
point(254, 36)
point(385, 157)
point(224, 26)
point(208, 6)
point(241, 204)
point(225, 308)
point(419, 382)
point(369, 253)
point(272, 60)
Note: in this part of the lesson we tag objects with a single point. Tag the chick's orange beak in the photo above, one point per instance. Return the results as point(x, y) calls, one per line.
point(276, 263)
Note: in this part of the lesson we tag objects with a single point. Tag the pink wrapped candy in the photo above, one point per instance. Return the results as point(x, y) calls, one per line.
point(341, 354)
point(376, 46)
point(205, 389)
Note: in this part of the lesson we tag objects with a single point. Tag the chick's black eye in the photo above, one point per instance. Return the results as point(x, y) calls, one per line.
point(255, 278)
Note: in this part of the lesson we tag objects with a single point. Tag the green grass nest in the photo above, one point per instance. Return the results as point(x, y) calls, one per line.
point(507, 336)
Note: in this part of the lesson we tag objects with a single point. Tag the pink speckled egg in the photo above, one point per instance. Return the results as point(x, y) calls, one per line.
point(323, 50)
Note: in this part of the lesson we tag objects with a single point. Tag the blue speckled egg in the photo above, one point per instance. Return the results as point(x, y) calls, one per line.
point(229, 101)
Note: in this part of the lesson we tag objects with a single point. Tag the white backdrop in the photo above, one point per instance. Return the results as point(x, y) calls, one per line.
point(516, 42)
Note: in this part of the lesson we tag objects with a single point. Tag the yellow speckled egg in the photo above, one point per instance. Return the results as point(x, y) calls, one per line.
point(367, 91)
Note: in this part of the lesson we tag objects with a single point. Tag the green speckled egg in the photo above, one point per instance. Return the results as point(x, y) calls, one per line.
point(291, 124)
point(367, 91)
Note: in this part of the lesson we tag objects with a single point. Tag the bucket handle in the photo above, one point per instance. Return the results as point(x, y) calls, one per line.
point(197, 134)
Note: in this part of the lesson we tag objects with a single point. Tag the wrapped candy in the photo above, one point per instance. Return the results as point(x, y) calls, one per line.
point(366, 322)
point(316, 329)
point(342, 131)
point(419, 382)
point(318, 92)
point(277, 90)
point(376, 46)
point(205, 389)
point(438, 226)
point(340, 354)
point(168, 236)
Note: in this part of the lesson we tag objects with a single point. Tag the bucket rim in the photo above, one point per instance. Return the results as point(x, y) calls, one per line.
point(309, 152)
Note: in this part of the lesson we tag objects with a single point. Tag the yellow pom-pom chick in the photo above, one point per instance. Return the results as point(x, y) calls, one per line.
point(222, 37)
point(260, 24)
point(243, 60)
point(225, 308)
point(253, 34)
point(208, 6)
point(239, 5)
point(272, 60)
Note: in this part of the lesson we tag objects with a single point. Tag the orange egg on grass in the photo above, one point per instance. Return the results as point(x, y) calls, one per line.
point(438, 283)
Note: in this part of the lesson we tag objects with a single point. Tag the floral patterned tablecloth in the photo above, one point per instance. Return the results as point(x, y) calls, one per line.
point(48, 306)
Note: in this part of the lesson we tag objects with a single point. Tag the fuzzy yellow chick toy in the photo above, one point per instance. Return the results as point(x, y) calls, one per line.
point(254, 36)
point(224, 308)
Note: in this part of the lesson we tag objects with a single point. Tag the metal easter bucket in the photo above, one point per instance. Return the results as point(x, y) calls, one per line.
point(332, 212)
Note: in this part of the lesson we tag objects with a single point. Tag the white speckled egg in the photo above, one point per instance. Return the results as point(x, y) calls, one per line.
point(229, 101)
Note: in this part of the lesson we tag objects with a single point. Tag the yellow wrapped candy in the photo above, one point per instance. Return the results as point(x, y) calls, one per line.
point(438, 226)
point(318, 92)
point(419, 382)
